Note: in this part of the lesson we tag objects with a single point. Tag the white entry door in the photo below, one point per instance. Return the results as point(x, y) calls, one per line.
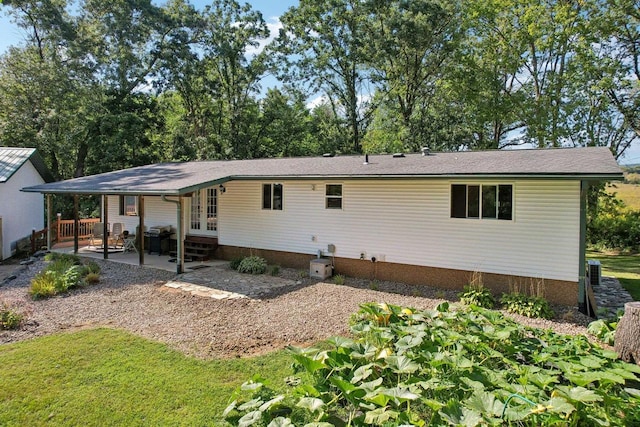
point(204, 212)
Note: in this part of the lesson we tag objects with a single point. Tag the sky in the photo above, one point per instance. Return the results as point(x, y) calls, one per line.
point(271, 10)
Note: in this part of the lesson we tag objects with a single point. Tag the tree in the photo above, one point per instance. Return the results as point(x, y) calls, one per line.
point(320, 49)
point(410, 44)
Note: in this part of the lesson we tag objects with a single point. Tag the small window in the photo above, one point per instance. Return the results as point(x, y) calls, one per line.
point(334, 196)
point(486, 201)
point(128, 205)
point(272, 196)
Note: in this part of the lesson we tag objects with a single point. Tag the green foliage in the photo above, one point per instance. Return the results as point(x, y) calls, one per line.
point(90, 267)
point(605, 329)
point(273, 270)
point(92, 278)
point(58, 277)
point(475, 293)
point(339, 279)
point(527, 305)
point(441, 367)
point(10, 317)
point(235, 263)
point(252, 265)
point(67, 258)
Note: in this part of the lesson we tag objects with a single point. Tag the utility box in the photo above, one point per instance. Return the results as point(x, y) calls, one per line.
point(320, 268)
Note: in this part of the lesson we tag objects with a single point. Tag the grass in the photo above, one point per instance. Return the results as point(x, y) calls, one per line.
point(628, 193)
point(110, 377)
point(626, 268)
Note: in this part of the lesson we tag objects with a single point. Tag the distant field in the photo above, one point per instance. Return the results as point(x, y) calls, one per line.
point(628, 193)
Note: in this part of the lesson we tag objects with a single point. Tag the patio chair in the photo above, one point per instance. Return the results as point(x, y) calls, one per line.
point(117, 233)
point(97, 234)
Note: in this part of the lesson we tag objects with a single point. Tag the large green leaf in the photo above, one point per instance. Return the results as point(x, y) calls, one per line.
point(485, 403)
point(457, 415)
point(251, 404)
point(379, 416)
point(268, 404)
point(361, 373)
point(310, 364)
point(250, 419)
point(310, 403)
point(401, 364)
point(280, 422)
point(580, 394)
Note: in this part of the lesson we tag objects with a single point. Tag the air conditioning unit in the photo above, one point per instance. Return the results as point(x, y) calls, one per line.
point(594, 272)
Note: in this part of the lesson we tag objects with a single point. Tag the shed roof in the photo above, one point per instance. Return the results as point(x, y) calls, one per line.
point(593, 163)
point(12, 159)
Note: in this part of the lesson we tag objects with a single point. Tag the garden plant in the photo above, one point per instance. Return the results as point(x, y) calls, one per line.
point(464, 367)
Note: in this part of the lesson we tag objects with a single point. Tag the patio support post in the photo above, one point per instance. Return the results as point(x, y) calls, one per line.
point(582, 288)
point(105, 226)
point(48, 222)
point(179, 234)
point(141, 229)
point(76, 223)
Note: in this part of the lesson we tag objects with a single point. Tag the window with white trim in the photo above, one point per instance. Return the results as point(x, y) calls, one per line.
point(482, 201)
point(272, 196)
point(333, 195)
point(128, 205)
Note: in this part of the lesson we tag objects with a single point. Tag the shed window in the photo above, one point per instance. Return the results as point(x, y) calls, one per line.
point(333, 196)
point(486, 201)
point(128, 205)
point(272, 196)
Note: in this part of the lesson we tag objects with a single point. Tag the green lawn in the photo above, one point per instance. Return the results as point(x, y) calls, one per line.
point(110, 377)
point(625, 268)
point(628, 193)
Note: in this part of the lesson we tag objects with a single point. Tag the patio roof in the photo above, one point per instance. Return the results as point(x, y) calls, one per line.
point(591, 163)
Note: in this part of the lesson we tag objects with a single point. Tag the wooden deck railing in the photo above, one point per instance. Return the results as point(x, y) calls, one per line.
point(65, 227)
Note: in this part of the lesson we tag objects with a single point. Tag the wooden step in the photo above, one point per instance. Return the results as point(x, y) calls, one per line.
point(198, 248)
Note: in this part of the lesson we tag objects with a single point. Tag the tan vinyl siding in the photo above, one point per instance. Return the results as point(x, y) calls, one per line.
point(408, 222)
point(156, 212)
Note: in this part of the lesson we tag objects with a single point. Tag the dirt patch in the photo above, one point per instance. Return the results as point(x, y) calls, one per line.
point(133, 298)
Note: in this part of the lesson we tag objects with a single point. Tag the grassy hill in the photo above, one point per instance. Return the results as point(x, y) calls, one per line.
point(628, 193)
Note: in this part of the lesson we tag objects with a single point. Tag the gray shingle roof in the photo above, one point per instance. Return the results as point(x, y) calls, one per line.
point(12, 159)
point(595, 163)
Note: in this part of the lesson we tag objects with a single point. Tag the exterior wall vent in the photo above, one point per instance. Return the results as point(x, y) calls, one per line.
point(594, 272)
point(398, 155)
point(426, 151)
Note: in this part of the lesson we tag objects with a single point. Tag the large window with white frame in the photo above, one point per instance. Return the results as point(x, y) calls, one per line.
point(486, 201)
point(272, 196)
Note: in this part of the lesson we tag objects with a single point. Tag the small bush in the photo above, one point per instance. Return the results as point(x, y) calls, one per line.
point(530, 306)
point(253, 265)
point(482, 297)
point(339, 279)
point(235, 263)
point(10, 318)
point(605, 329)
point(90, 267)
point(475, 293)
point(273, 270)
point(43, 285)
point(56, 256)
point(92, 278)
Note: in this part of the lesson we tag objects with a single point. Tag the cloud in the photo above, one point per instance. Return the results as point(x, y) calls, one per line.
point(274, 25)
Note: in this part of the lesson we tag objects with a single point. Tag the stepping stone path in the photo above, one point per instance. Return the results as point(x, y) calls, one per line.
point(219, 282)
point(610, 297)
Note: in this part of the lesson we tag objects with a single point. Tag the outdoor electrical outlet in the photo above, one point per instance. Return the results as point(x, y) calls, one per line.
point(363, 255)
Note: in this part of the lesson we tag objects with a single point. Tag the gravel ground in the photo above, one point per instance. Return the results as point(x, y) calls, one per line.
point(133, 298)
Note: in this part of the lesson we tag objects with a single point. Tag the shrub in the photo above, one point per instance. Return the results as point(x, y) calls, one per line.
point(273, 270)
point(339, 279)
point(92, 278)
point(475, 293)
point(56, 256)
point(235, 263)
point(530, 306)
point(91, 267)
point(10, 318)
point(57, 277)
point(253, 265)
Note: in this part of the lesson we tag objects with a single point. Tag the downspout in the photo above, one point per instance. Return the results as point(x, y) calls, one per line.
point(582, 287)
point(179, 257)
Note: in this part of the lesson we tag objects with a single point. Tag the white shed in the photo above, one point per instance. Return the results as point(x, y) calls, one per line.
point(20, 212)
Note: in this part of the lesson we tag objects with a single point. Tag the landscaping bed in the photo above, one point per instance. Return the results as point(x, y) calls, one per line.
point(133, 298)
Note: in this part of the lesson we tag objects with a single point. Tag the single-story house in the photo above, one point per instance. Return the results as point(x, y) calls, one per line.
point(430, 218)
point(20, 212)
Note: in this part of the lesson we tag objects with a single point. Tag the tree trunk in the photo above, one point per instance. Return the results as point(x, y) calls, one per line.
point(627, 338)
